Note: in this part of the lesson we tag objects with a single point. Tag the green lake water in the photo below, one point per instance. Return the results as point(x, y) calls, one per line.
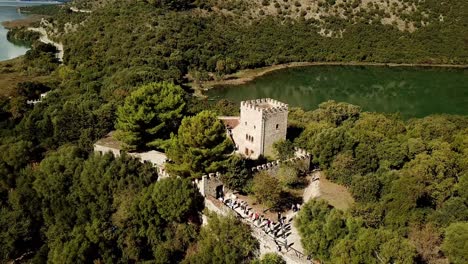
point(9, 12)
point(9, 50)
point(413, 92)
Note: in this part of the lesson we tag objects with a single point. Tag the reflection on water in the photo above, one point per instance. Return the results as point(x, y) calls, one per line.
point(414, 92)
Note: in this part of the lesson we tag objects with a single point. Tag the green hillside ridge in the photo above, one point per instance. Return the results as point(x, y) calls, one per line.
point(126, 43)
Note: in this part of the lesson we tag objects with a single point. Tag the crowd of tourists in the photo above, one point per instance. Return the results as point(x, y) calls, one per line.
point(281, 228)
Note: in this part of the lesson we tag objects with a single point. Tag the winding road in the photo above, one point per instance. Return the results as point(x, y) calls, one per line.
point(45, 39)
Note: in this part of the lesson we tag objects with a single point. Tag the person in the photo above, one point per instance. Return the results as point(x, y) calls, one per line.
point(278, 247)
point(279, 216)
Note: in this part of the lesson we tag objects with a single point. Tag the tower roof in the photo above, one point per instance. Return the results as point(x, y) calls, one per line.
point(265, 105)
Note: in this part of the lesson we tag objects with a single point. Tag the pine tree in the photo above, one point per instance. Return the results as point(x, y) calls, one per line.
point(201, 146)
point(149, 115)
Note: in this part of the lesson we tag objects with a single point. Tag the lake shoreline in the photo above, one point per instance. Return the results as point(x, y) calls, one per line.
point(248, 75)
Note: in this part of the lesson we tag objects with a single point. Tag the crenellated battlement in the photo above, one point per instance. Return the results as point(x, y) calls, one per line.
point(301, 156)
point(265, 105)
point(208, 184)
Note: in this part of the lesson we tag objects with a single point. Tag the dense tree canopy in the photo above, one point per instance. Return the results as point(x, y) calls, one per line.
point(284, 149)
point(237, 173)
point(327, 234)
point(200, 146)
point(176, 199)
point(149, 115)
point(267, 189)
point(224, 240)
point(59, 203)
point(405, 176)
point(456, 242)
point(78, 208)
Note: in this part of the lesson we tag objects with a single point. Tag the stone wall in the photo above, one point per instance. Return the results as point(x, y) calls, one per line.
point(154, 157)
point(301, 159)
point(275, 126)
point(104, 149)
point(208, 183)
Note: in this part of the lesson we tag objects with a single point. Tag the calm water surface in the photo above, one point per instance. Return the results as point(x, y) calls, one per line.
point(413, 92)
point(7, 49)
point(8, 12)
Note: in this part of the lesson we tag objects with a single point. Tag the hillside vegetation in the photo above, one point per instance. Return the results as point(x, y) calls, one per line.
point(122, 44)
point(62, 203)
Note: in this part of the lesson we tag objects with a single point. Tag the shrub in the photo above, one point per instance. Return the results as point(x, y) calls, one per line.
point(267, 189)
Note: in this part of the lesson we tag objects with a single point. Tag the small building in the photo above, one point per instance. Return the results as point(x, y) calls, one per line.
point(112, 145)
point(261, 123)
point(35, 101)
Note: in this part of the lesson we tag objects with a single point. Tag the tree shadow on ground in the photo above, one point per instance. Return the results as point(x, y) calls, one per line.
point(287, 199)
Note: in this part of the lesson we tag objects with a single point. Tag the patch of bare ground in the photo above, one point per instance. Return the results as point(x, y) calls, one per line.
point(12, 73)
point(26, 22)
point(336, 195)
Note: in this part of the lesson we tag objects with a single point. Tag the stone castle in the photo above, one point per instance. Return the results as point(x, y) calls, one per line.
point(261, 123)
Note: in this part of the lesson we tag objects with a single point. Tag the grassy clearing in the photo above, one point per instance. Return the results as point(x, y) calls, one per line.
point(12, 73)
point(25, 22)
point(336, 195)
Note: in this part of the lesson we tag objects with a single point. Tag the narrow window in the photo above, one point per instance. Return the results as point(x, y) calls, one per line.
point(246, 137)
point(254, 127)
point(246, 123)
point(277, 126)
point(252, 139)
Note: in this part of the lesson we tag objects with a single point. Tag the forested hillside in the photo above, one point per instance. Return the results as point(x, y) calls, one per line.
point(409, 180)
point(61, 203)
point(122, 44)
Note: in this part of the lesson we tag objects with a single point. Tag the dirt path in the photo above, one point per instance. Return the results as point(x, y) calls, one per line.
point(45, 39)
point(313, 190)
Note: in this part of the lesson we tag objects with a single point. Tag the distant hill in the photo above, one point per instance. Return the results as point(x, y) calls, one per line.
point(124, 43)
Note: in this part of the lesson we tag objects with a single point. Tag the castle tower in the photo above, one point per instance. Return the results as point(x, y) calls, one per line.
point(262, 122)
